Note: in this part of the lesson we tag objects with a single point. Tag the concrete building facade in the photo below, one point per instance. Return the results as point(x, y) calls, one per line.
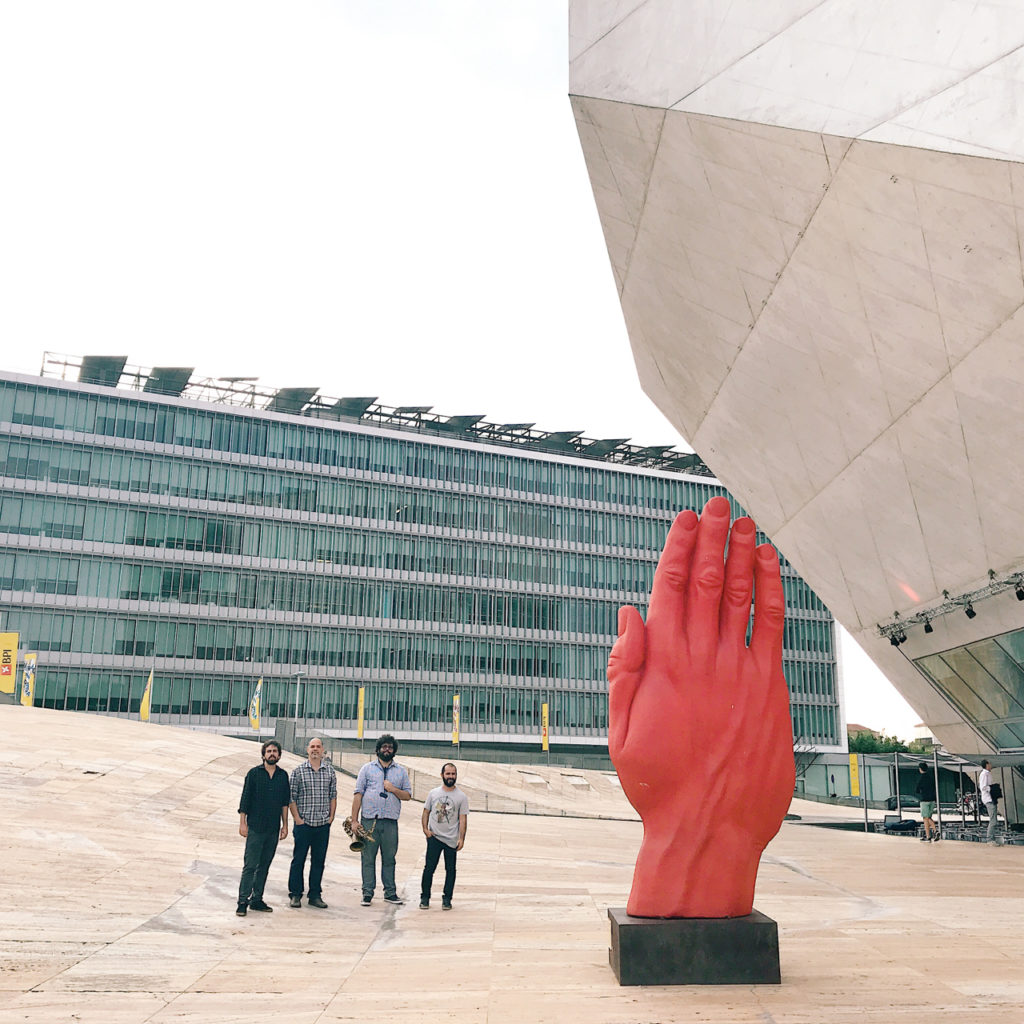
point(814, 210)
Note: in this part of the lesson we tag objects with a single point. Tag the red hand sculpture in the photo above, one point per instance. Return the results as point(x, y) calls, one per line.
point(700, 730)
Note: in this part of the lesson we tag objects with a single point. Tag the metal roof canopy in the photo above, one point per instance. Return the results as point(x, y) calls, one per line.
point(168, 380)
point(103, 370)
point(606, 445)
point(290, 400)
point(244, 391)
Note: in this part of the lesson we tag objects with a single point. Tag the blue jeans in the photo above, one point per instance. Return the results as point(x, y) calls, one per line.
point(385, 835)
point(260, 848)
point(434, 850)
point(993, 821)
point(311, 839)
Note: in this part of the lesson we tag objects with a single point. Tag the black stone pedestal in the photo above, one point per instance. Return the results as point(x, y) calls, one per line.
point(694, 950)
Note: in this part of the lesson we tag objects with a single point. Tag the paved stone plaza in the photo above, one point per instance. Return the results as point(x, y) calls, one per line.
point(121, 859)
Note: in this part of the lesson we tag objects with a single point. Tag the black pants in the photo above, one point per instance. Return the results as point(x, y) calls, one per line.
point(311, 839)
point(434, 850)
point(260, 848)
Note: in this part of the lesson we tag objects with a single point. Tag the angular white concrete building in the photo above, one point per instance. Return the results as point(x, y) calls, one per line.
point(814, 210)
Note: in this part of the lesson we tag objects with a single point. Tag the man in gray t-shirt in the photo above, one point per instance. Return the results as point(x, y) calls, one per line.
point(444, 824)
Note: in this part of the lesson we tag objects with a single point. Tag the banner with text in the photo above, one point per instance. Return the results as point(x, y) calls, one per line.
point(8, 662)
point(543, 727)
point(455, 718)
point(361, 710)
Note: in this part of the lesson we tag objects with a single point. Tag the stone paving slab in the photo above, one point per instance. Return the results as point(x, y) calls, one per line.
point(121, 855)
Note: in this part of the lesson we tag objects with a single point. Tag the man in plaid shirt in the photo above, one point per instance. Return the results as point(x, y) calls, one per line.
point(314, 791)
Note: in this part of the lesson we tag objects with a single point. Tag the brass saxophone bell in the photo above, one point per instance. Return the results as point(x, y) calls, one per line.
point(356, 846)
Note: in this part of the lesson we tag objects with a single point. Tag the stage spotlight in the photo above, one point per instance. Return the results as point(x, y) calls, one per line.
point(894, 640)
point(902, 637)
point(969, 610)
point(928, 628)
point(1019, 591)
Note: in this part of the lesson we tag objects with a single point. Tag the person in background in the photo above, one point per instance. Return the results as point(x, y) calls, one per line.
point(926, 791)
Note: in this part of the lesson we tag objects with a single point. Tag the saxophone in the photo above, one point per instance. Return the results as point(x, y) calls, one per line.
point(360, 837)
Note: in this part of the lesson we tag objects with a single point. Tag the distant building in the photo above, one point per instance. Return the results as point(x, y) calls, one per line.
point(217, 533)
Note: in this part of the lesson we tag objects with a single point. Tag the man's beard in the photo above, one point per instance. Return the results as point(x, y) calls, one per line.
point(450, 783)
point(385, 755)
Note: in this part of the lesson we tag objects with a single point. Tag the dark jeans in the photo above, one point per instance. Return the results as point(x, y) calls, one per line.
point(311, 839)
point(260, 848)
point(434, 850)
point(385, 834)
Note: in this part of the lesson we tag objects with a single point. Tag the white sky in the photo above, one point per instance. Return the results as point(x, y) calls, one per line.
point(376, 197)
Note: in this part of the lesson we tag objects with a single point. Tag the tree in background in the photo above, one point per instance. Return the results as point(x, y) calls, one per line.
point(870, 743)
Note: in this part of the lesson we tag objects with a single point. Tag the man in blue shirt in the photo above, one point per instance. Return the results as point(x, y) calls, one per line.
point(381, 787)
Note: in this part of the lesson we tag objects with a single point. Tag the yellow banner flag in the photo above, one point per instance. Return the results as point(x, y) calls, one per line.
point(455, 718)
point(254, 705)
point(28, 680)
point(543, 727)
point(147, 696)
point(8, 662)
point(362, 708)
point(854, 776)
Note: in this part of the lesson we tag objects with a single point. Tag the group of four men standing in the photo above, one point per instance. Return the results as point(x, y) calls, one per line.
point(311, 795)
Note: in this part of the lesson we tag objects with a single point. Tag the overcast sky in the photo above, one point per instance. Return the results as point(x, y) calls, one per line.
point(384, 197)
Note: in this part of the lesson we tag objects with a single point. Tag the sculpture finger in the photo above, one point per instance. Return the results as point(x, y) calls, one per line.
point(769, 607)
point(625, 669)
point(739, 583)
point(668, 593)
point(707, 576)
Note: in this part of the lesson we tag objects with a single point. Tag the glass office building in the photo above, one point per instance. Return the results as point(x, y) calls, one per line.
point(214, 534)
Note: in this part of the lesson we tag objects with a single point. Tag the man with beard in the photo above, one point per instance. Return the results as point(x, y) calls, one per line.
point(314, 803)
point(263, 819)
point(444, 824)
point(381, 786)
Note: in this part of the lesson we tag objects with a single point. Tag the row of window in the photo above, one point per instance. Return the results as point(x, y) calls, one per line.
point(246, 433)
point(109, 633)
point(103, 633)
point(102, 522)
point(815, 723)
point(389, 506)
point(402, 707)
point(332, 595)
point(201, 698)
point(364, 499)
point(109, 523)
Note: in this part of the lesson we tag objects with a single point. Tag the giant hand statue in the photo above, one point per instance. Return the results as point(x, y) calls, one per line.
point(700, 730)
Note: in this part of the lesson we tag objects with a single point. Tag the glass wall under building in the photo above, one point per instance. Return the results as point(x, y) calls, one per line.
point(216, 545)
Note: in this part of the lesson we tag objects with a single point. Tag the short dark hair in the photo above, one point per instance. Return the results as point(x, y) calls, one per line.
point(449, 764)
point(986, 764)
point(269, 743)
point(386, 738)
point(921, 766)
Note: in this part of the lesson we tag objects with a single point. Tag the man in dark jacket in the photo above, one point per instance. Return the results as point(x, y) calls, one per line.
point(263, 820)
point(926, 791)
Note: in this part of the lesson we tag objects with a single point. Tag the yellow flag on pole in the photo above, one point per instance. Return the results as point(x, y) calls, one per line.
point(28, 680)
point(147, 696)
point(455, 717)
point(8, 662)
point(254, 705)
point(543, 727)
point(361, 712)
